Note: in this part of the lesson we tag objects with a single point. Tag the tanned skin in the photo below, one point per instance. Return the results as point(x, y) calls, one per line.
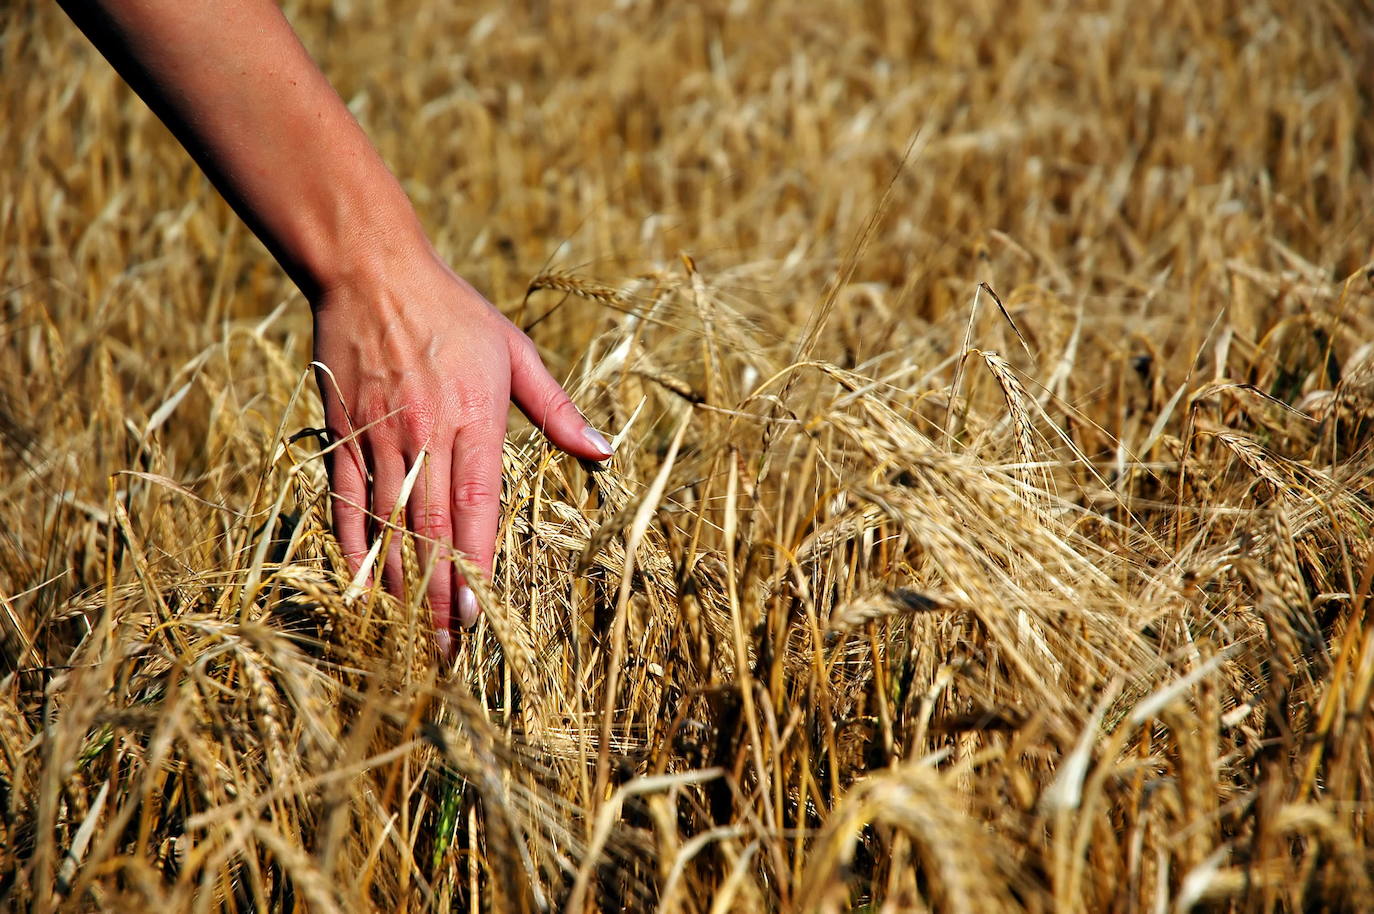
point(419, 365)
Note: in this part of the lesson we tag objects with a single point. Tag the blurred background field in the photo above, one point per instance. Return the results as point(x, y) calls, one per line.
point(990, 527)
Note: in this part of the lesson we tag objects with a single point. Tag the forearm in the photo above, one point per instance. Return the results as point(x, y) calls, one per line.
point(420, 367)
point(235, 85)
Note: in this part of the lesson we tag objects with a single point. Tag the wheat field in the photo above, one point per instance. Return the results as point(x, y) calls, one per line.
point(991, 527)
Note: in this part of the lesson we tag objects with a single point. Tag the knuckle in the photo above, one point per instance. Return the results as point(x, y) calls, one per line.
point(561, 406)
point(432, 518)
point(418, 424)
point(472, 494)
point(405, 418)
point(474, 404)
point(554, 406)
point(385, 435)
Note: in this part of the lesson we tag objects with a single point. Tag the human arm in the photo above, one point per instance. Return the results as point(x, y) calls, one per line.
point(417, 360)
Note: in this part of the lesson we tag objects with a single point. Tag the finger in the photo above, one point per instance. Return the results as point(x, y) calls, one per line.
point(430, 514)
point(348, 480)
point(547, 405)
point(388, 476)
point(476, 501)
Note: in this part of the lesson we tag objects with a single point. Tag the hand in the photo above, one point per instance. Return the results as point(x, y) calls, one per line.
point(418, 362)
point(423, 365)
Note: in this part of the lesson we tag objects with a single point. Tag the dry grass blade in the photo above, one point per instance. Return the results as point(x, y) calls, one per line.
point(847, 624)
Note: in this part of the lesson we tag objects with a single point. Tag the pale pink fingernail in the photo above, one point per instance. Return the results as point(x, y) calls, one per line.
point(597, 440)
point(467, 607)
point(445, 642)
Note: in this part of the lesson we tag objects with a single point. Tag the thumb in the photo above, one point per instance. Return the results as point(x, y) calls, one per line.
point(546, 404)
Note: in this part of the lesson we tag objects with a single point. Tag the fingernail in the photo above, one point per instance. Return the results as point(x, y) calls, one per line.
point(597, 440)
point(467, 607)
point(445, 642)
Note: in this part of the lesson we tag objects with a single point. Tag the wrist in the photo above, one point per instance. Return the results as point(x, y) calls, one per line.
point(359, 242)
